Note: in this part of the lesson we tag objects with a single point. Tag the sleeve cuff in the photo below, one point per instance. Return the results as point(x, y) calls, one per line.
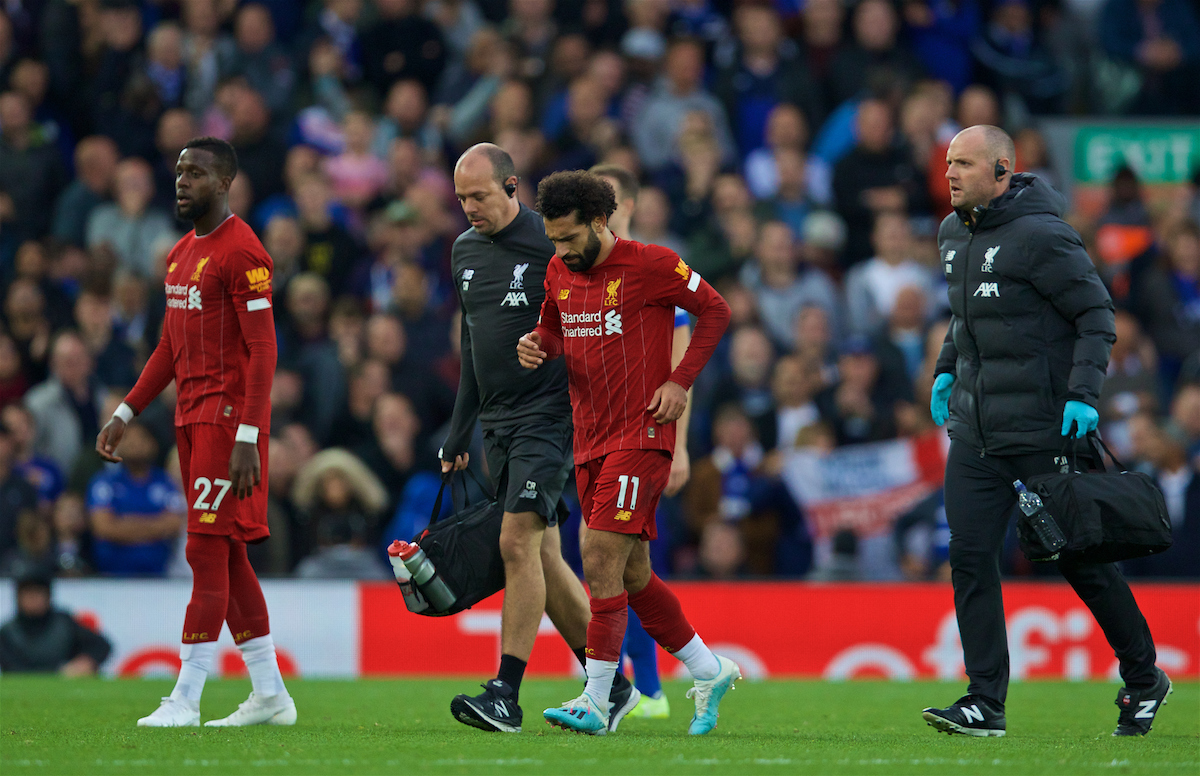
point(247, 433)
point(124, 412)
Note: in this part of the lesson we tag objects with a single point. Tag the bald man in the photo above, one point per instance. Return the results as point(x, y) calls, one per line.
point(1021, 370)
point(499, 266)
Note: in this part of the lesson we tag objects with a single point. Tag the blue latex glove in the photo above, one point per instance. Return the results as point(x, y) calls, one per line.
point(939, 402)
point(1083, 416)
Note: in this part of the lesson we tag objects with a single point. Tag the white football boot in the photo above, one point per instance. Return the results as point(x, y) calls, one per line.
point(173, 712)
point(260, 710)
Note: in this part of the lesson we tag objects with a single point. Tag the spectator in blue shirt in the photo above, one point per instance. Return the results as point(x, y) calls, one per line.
point(39, 471)
point(135, 510)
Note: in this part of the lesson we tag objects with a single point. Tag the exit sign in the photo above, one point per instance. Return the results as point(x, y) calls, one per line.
point(1158, 154)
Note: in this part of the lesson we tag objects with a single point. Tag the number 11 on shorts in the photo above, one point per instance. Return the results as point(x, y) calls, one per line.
point(625, 481)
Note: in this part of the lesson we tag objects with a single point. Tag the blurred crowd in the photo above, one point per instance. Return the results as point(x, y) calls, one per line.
point(792, 152)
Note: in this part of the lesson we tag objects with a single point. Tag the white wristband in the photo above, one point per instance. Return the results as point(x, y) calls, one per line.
point(124, 412)
point(247, 434)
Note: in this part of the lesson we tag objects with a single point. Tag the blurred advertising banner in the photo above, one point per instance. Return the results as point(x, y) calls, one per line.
point(834, 631)
point(783, 629)
point(314, 624)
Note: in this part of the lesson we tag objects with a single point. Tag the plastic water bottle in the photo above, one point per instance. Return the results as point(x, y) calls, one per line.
point(412, 597)
point(1048, 532)
point(426, 576)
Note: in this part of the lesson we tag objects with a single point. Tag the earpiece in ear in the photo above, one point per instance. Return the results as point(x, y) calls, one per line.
point(510, 189)
point(1001, 171)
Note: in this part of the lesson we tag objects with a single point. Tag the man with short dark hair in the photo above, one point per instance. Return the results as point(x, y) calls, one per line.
point(1021, 368)
point(608, 311)
point(218, 345)
point(498, 267)
point(135, 510)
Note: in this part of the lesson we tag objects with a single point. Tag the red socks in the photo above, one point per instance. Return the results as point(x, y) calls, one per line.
point(661, 615)
point(208, 556)
point(224, 588)
point(606, 630)
point(247, 610)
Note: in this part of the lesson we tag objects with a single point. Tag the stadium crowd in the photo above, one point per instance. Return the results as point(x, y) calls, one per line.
point(793, 153)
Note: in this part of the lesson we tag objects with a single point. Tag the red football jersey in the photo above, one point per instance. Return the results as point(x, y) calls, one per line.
point(614, 324)
point(218, 339)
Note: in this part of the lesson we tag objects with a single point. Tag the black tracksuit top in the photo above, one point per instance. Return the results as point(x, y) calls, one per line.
point(499, 280)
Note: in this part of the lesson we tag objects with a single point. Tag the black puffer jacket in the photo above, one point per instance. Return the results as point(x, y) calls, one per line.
point(1033, 324)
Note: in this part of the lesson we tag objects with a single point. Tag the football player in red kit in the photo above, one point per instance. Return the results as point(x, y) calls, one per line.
point(218, 344)
point(609, 311)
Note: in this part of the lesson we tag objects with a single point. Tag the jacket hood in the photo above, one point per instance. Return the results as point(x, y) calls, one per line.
point(1027, 195)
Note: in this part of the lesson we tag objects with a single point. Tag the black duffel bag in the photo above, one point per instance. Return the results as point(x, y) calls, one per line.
point(465, 548)
point(1104, 515)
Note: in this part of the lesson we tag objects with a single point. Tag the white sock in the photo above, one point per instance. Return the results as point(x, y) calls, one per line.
point(699, 659)
point(197, 662)
point(259, 654)
point(600, 675)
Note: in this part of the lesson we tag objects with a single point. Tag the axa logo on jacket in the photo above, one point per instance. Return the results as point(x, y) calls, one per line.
point(987, 290)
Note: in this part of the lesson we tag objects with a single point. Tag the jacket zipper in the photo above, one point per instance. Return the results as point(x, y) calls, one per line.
point(979, 360)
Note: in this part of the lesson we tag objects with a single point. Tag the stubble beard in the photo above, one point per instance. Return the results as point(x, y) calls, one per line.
point(193, 211)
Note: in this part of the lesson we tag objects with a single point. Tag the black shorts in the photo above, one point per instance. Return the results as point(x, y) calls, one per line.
point(529, 465)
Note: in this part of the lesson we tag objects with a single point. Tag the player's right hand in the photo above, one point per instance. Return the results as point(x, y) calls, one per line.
point(245, 469)
point(458, 464)
point(529, 350)
point(109, 437)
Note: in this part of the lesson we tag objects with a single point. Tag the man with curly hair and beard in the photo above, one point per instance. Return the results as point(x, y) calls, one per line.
point(608, 312)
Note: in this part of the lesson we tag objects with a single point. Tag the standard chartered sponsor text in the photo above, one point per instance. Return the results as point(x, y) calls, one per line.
point(581, 331)
point(569, 318)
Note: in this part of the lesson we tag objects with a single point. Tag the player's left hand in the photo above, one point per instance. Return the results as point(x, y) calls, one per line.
point(681, 470)
point(668, 402)
point(245, 471)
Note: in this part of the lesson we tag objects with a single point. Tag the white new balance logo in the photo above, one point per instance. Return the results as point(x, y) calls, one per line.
point(502, 707)
point(612, 323)
point(194, 298)
point(1147, 710)
point(987, 290)
point(972, 714)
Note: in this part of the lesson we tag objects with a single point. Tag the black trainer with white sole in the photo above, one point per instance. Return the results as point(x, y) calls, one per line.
point(1138, 707)
point(621, 699)
point(493, 710)
point(970, 715)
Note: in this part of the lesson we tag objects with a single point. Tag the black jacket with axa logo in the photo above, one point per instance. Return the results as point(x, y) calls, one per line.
point(1032, 323)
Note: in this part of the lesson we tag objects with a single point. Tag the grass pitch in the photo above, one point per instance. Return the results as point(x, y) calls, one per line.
point(51, 726)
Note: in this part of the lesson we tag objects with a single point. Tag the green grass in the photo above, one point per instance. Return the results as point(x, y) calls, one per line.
point(50, 726)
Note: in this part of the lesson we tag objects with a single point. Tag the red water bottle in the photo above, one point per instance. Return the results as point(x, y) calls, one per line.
point(427, 578)
point(412, 596)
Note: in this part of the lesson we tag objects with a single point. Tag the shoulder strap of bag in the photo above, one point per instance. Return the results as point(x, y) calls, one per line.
point(1095, 439)
point(448, 479)
point(1073, 444)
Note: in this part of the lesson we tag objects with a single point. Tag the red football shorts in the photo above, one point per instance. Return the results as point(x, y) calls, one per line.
point(204, 450)
point(619, 492)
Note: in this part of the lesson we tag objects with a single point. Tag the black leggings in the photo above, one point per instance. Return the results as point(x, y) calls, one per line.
point(980, 500)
